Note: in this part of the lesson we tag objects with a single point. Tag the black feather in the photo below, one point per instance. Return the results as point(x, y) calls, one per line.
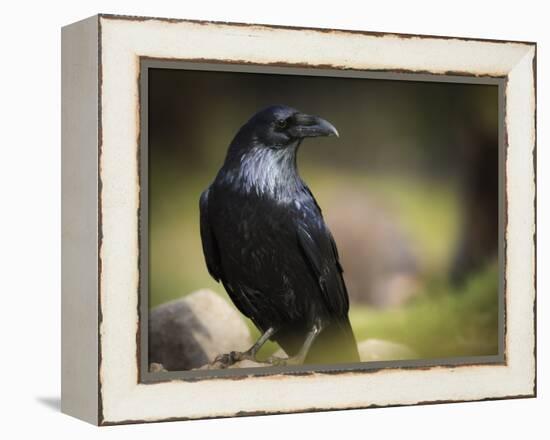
point(265, 239)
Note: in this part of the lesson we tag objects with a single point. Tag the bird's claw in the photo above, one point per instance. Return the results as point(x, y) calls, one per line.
point(227, 359)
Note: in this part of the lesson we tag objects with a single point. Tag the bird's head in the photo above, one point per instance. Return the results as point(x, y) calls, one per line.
point(280, 126)
point(262, 156)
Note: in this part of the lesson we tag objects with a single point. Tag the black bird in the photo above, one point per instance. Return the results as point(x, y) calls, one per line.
point(264, 238)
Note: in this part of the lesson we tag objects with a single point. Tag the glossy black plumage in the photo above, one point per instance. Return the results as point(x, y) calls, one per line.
point(265, 239)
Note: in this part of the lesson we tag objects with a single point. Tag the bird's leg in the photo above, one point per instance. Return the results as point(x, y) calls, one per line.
point(298, 358)
point(229, 359)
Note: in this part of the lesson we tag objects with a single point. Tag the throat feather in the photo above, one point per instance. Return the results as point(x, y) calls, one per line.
point(269, 172)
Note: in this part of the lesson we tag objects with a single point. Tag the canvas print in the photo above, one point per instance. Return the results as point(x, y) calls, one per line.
point(302, 220)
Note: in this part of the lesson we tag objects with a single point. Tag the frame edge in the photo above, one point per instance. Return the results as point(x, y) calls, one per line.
point(113, 420)
point(79, 224)
point(128, 17)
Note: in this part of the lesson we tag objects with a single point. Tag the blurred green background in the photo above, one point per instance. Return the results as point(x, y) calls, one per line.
point(409, 190)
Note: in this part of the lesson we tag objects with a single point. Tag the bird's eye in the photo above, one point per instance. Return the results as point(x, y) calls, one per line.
point(282, 123)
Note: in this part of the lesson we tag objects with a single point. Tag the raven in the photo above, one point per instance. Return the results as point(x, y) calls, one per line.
point(264, 238)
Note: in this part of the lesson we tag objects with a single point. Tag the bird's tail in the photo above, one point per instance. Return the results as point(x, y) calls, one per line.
point(335, 344)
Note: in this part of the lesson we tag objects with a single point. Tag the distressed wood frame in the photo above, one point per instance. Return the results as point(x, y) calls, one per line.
point(101, 59)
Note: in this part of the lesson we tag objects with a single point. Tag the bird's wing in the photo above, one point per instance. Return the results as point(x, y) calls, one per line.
point(319, 250)
point(212, 257)
point(209, 244)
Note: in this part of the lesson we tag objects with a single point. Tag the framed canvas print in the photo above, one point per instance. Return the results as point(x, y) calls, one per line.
point(262, 219)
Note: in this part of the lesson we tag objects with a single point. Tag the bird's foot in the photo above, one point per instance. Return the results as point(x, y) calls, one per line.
point(227, 359)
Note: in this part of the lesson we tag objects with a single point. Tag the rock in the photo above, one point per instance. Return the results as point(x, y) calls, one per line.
point(380, 267)
point(380, 350)
point(155, 367)
point(240, 364)
point(280, 353)
point(369, 350)
point(190, 332)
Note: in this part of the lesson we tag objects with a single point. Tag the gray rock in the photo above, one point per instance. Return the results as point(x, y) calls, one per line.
point(380, 350)
point(380, 267)
point(190, 332)
point(240, 364)
point(369, 350)
point(156, 368)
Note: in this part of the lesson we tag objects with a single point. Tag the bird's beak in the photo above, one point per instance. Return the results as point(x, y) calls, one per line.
point(311, 126)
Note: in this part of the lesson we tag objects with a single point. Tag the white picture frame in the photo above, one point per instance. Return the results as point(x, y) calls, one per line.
point(101, 381)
